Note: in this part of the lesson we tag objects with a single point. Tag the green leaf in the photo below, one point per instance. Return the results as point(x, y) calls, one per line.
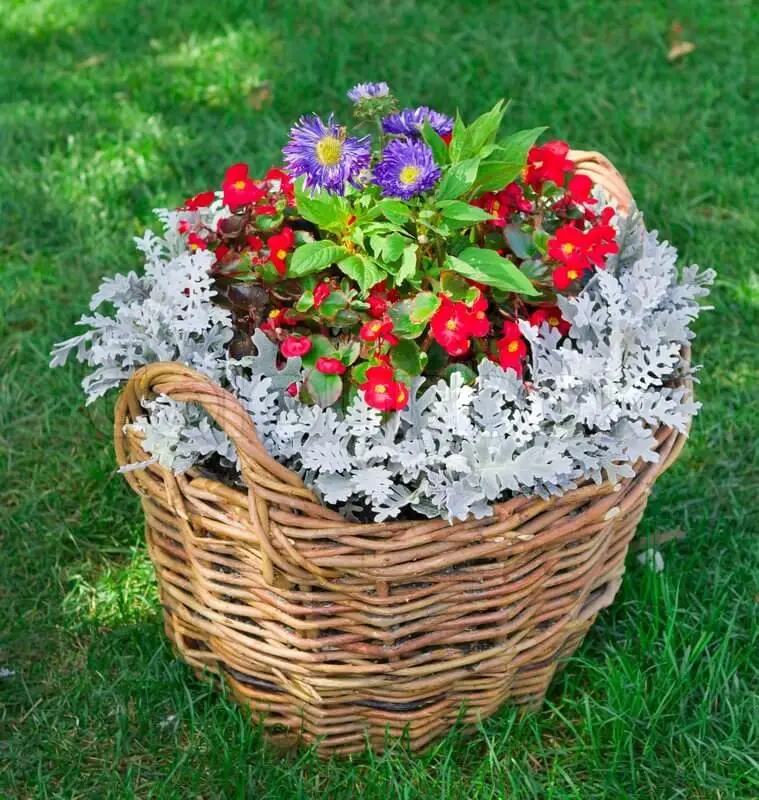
point(377, 243)
point(320, 346)
point(423, 306)
point(519, 241)
point(458, 140)
point(358, 373)
point(394, 246)
point(472, 295)
point(466, 372)
point(349, 351)
point(437, 145)
point(509, 158)
point(534, 269)
point(458, 179)
point(388, 248)
point(540, 239)
point(305, 301)
point(324, 389)
point(486, 266)
point(437, 358)
point(382, 228)
point(407, 356)
point(313, 257)
point(408, 265)
point(462, 212)
point(345, 318)
point(267, 223)
point(453, 285)
point(492, 176)
point(328, 211)
point(363, 270)
point(400, 314)
point(483, 130)
point(514, 148)
point(394, 210)
point(334, 302)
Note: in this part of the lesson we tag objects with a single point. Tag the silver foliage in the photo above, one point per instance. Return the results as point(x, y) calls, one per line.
point(588, 410)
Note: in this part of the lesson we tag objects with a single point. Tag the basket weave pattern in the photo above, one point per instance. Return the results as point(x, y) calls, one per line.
point(337, 632)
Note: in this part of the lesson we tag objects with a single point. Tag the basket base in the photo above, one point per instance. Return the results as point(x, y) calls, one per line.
point(514, 668)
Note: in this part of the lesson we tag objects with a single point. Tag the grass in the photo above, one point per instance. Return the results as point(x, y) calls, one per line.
point(109, 108)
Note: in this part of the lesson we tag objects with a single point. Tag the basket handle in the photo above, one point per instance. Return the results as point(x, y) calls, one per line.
point(186, 385)
point(600, 170)
point(268, 481)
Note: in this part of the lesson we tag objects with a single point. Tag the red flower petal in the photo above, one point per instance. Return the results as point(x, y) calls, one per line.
point(195, 242)
point(451, 326)
point(565, 275)
point(511, 330)
point(377, 305)
point(376, 329)
point(330, 366)
point(237, 172)
point(579, 189)
point(201, 200)
point(321, 293)
point(400, 394)
point(548, 162)
point(552, 316)
point(380, 374)
point(294, 346)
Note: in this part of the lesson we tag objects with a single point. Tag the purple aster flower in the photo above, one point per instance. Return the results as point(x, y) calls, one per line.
point(325, 155)
point(368, 91)
point(409, 122)
point(407, 168)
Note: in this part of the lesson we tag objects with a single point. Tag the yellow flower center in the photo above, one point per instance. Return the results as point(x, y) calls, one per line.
point(567, 248)
point(239, 184)
point(409, 175)
point(513, 347)
point(553, 321)
point(451, 324)
point(380, 389)
point(401, 398)
point(480, 315)
point(572, 275)
point(376, 326)
point(274, 313)
point(281, 254)
point(328, 151)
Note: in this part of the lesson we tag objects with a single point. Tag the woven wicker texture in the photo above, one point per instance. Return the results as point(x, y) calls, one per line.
point(336, 632)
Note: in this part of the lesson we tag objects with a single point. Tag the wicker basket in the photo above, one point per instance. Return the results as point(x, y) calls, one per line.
point(337, 632)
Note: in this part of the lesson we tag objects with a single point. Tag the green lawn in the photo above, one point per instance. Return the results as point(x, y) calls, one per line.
point(109, 108)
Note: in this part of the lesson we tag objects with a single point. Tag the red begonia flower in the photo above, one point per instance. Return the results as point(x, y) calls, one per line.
point(552, 316)
point(202, 200)
point(321, 293)
point(194, 242)
point(239, 189)
point(295, 346)
point(330, 366)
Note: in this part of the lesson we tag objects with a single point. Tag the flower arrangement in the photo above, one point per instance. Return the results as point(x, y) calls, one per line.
point(422, 319)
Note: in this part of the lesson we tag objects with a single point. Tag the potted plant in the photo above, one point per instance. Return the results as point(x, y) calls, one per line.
point(394, 410)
